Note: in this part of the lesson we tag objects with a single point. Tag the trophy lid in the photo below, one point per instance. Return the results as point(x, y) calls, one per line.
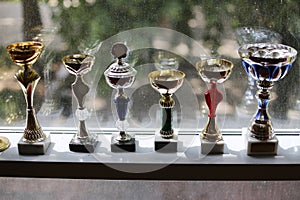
point(120, 73)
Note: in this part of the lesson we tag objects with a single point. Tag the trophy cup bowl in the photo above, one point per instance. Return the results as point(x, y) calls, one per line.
point(78, 65)
point(266, 63)
point(166, 82)
point(213, 71)
point(120, 75)
point(25, 54)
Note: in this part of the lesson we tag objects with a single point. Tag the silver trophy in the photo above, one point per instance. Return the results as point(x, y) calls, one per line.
point(78, 65)
point(121, 75)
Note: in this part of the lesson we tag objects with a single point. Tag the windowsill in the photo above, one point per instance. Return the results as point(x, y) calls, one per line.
point(145, 163)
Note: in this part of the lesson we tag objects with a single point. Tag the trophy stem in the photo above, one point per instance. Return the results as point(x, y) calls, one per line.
point(121, 102)
point(28, 80)
point(211, 131)
point(261, 127)
point(212, 97)
point(167, 103)
point(83, 133)
point(80, 89)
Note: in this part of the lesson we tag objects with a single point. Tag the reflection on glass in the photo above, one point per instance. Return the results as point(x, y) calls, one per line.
point(164, 60)
point(250, 35)
point(46, 36)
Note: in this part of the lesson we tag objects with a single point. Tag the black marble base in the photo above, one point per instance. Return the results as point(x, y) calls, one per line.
point(165, 145)
point(212, 147)
point(87, 146)
point(37, 148)
point(261, 147)
point(117, 146)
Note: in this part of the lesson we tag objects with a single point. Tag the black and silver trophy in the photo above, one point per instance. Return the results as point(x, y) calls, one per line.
point(78, 65)
point(121, 75)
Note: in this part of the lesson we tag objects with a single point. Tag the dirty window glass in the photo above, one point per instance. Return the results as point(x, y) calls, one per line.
point(185, 31)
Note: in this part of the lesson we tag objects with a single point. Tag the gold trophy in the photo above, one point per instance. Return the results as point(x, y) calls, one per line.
point(166, 82)
point(25, 54)
point(213, 71)
point(4, 143)
point(78, 65)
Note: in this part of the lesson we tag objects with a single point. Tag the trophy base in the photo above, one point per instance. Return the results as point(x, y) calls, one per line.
point(261, 147)
point(118, 146)
point(36, 148)
point(164, 145)
point(208, 147)
point(87, 146)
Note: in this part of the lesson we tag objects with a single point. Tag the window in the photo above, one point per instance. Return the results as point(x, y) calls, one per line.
point(186, 30)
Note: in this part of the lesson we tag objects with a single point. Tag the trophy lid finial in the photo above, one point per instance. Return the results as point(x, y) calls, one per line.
point(119, 50)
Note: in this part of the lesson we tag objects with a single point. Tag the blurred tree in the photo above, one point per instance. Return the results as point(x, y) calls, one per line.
point(32, 22)
point(102, 19)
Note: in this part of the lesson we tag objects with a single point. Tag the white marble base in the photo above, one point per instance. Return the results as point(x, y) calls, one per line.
point(166, 145)
point(261, 147)
point(212, 147)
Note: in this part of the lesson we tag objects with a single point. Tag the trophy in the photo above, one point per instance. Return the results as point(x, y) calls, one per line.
point(121, 75)
point(78, 65)
point(166, 82)
point(266, 63)
point(25, 54)
point(4, 143)
point(213, 71)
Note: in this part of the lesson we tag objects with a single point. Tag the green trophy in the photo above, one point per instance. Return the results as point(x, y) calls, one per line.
point(166, 82)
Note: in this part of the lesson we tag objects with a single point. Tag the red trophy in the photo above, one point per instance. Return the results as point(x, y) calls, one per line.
point(213, 71)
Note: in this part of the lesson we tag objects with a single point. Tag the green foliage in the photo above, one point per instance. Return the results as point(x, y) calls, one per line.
point(106, 18)
point(13, 106)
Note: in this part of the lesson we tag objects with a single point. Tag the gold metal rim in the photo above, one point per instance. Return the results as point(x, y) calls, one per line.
point(35, 43)
point(172, 72)
point(4, 143)
point(214, 61)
